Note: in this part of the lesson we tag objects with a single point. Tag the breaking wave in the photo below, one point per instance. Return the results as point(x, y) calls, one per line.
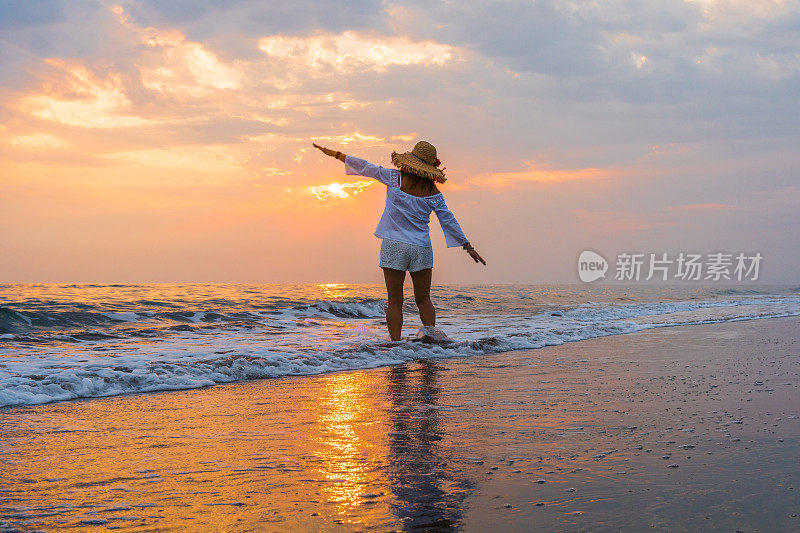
point(53, 351)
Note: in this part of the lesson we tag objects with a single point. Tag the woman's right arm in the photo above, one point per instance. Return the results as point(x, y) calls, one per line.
point(473, 253)
point(453, 235)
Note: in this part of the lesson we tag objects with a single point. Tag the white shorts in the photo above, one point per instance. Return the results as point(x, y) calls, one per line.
point(403, 256)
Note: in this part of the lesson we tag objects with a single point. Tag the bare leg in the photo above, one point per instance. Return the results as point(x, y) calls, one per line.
point(422, 295)
point(394, 301)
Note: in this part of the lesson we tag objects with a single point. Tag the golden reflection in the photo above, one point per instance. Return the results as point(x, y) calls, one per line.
point(351, 449)
point(334, 290)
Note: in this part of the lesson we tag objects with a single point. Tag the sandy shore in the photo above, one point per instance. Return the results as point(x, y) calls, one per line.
point(674, 429)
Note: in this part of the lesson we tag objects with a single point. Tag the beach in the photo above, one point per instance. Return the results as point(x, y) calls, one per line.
point(674, 428)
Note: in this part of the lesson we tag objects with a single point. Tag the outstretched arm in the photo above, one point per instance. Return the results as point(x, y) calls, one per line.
point(355, 166)
point(327, 151)
point(453, 235)
point(473, 253)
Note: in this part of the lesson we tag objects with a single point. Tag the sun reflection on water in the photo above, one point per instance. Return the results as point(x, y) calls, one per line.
point(333, 290)
point(351, 449)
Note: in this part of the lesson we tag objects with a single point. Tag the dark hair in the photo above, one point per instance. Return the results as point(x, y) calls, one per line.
point(425, 184)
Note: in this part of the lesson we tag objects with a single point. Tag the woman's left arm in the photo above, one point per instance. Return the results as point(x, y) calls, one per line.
point(355, 166)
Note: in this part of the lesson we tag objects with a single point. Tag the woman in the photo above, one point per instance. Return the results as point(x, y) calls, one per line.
point(411, 195)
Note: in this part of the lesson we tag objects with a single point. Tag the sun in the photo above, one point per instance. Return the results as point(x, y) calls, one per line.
point(339, 190)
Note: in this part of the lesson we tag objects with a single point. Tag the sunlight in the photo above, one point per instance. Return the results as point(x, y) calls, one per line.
point(333, 290)
point(350, 458)
point(339, 190)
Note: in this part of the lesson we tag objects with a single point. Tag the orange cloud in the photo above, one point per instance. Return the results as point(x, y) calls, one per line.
point(405, 138)
point(537, 174)
point(77, 97)
point(353, 137)
point(38, 141)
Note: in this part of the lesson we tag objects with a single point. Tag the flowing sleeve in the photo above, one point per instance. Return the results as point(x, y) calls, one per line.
point(358, 167)
point(453, 235)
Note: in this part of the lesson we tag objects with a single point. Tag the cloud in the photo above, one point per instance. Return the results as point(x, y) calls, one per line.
point(552, 37)
point(203, 19)
point(351, 52)
point(80, 98)
point(38, 141)
point(709, 206)
point(186, 70)
point(30, 13)
point(537, 174)
point(636, 115)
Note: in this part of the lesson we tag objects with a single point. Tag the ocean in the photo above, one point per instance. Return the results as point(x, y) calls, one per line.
point(68, 341)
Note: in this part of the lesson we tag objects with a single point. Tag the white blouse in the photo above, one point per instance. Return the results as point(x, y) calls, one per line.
point(406, 217)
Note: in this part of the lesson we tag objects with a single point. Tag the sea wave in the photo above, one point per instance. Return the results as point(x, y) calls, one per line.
point(51, 320)
point(58, 382)
point(56, 354)
point(365, 308)
point(739, 291)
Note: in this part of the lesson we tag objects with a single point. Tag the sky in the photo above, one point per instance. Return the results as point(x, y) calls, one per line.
point(150, 141)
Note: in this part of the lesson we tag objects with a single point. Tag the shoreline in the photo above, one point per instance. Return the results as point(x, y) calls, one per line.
point(477, 348)
point(456, 443)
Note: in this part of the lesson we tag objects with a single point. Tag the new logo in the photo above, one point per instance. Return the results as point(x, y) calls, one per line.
point(591, 266)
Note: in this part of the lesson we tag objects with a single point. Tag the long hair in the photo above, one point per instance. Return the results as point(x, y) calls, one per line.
point(425, 184)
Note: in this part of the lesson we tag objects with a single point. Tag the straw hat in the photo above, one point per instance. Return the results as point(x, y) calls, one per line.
point(421, 161)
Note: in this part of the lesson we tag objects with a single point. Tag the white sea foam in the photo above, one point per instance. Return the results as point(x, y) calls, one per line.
point(305, 339)
point(368, 309)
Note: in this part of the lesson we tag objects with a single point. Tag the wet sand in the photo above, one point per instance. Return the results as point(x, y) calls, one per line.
point(675, 429)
